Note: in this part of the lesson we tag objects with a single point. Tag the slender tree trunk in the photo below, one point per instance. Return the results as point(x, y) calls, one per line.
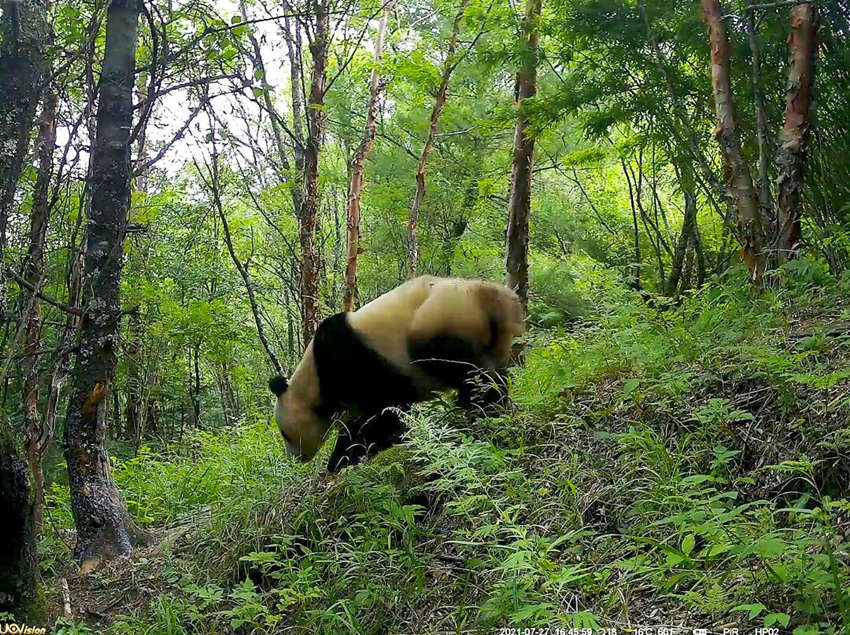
point(274, 117)
point(23, 64)
point(133, 424)
point(310, 206)
point(293, 48)
point(195, 384)
point(352, 243)
point(516, 263)
point(38, 436)
point(795, 134)
point(765, 196)
point(688, 185)
point(104, 527)
point(433, 127)
point(214, 186)
point(740, 190)
point(635, 267)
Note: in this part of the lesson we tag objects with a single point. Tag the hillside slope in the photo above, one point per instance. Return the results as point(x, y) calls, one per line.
point(681, 467)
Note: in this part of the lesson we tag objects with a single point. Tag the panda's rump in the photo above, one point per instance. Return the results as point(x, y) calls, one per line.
point(461, 326)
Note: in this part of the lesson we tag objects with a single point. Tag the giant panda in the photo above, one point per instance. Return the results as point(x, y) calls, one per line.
point(425, 335)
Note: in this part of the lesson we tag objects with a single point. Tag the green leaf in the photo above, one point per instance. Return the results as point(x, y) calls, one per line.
point(236, 19)
point(753, 609)
point(767, 547)
point(688, 544)
point(776, 618)
point(716, 550)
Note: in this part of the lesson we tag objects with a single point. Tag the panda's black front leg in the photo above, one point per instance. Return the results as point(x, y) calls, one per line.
point(366, 437)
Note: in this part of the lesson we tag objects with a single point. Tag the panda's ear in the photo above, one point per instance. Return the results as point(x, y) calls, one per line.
point(278, 385)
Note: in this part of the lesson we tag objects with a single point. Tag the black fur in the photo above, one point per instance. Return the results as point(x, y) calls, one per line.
point(447, 358)
point(278, 385)
point(352, 375)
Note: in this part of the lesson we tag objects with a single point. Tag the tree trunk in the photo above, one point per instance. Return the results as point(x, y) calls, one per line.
point(688, 186)
point(195, 383)
point(23, 34)
point(38, 436)
point(20, 592)
point(765, 196)
point(134, 405)
point(104, 527)
point(286, 177)
point(214, 186)
point(740, 190)
point(352, 243)
point(293, 49)
point(310, 205)
point(795, 134)
point(433, 127)
point(516, 263)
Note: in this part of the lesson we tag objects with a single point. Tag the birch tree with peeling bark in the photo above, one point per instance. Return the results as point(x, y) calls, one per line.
point(791, 159)
point(358, 163)
point(316, 116)
point(740, 191)
point(433, 126)
point(519, 207)
point(104, 527)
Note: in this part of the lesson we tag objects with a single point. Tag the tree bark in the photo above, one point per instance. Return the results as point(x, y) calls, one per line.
point(135, 405)
point(352, 243)
point(740, 190)
point(433, 127)
point(23, 64)
point(104, 527)
point(310, 205)
point(519, 208)
point(795, 134)
point(688, 186)
point(762, 134)
point(39, 437)
point(240, 266)
point(20, 590)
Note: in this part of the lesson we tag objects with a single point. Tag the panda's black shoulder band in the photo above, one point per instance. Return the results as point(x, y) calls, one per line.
point(278, 384)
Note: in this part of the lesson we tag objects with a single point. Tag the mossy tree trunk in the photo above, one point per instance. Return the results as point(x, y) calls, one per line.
point(104, 527)
point(23, 33)
point(20, 592)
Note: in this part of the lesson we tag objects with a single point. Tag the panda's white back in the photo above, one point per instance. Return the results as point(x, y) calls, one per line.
point(384, 323)
point(427, 307)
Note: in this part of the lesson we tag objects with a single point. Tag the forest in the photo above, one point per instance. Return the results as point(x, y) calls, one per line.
point(189, 187)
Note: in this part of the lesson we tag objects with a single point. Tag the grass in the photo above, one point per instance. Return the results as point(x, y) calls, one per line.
point(685, 467)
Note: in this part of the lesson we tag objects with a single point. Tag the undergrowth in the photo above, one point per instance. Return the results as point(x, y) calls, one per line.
point(682, 466)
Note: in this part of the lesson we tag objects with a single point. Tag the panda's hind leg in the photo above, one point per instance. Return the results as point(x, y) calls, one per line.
point(366, 437)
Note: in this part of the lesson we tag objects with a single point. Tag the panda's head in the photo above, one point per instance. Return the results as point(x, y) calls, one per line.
point(302, 429)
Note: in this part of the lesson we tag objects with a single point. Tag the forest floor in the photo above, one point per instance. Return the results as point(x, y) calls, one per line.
point(682, 467)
